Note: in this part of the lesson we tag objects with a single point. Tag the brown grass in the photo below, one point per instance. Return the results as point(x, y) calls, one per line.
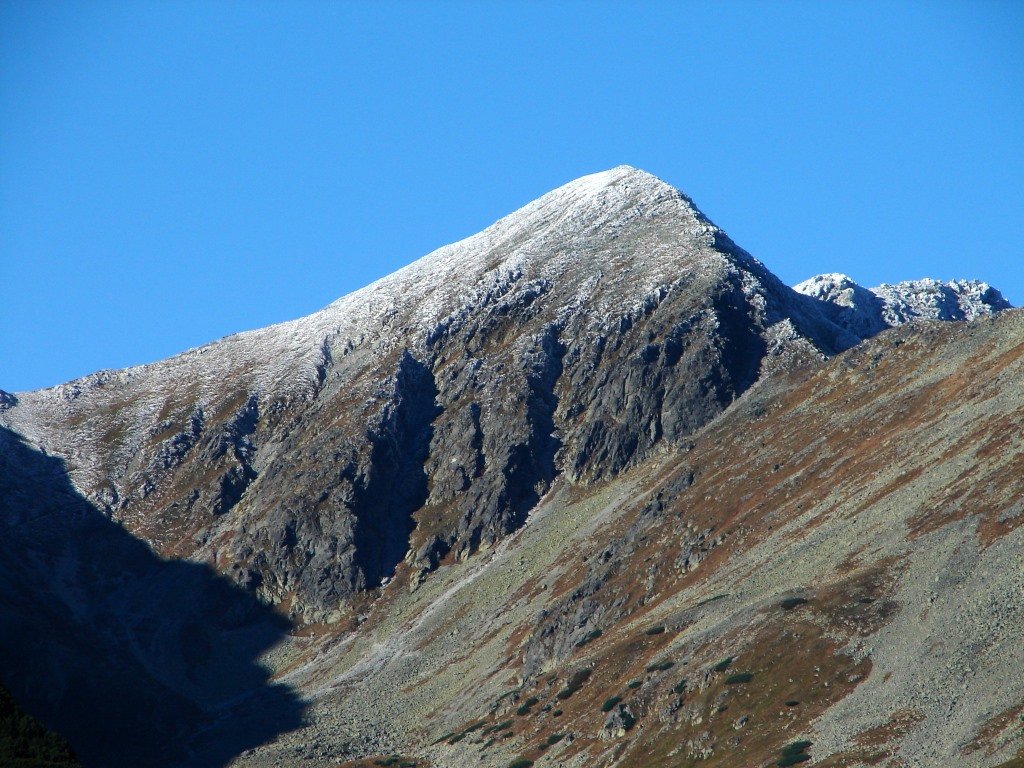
point(996, 727)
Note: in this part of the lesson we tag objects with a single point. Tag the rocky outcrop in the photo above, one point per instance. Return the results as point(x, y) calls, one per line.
point(587, 611)
point(332, 513)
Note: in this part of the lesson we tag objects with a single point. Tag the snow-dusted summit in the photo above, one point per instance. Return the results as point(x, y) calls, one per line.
point(867, 311)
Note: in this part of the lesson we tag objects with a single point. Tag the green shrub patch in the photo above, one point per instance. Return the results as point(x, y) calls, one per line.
point(498, 727)
point(792, 602)
point(723, 664)
point(609, 705)
point(524, 708)
point(794, 753)
point(739, 678)
point(575, 683)
point(796, 747)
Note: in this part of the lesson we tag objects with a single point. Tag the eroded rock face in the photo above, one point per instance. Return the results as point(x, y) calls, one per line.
point(338, 511)
point(599, 601)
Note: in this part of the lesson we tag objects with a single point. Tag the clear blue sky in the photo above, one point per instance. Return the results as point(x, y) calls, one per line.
point(173, 172)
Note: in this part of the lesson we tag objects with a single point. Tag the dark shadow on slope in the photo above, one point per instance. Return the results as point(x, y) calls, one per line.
point(810, 315)
point(531, 466)
point(137, 661)
point(26, 743)
point(396, 485)
point(741, 347)
point(518, 445)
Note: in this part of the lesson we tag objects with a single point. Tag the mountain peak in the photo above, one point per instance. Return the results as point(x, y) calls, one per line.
point(621, 187)
point(618, 174)
point(568, 236)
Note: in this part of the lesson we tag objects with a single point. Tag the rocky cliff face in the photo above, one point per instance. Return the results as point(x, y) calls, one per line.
point(489, 470)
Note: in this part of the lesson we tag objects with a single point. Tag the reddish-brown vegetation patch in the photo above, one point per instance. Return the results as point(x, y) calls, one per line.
point(691, 705)
point(745, 713)
point(873, 745)
point(387, 761)
point(1011, 719)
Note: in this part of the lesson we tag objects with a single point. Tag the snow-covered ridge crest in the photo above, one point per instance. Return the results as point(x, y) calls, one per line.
point(867, 311)
point(533, 238)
